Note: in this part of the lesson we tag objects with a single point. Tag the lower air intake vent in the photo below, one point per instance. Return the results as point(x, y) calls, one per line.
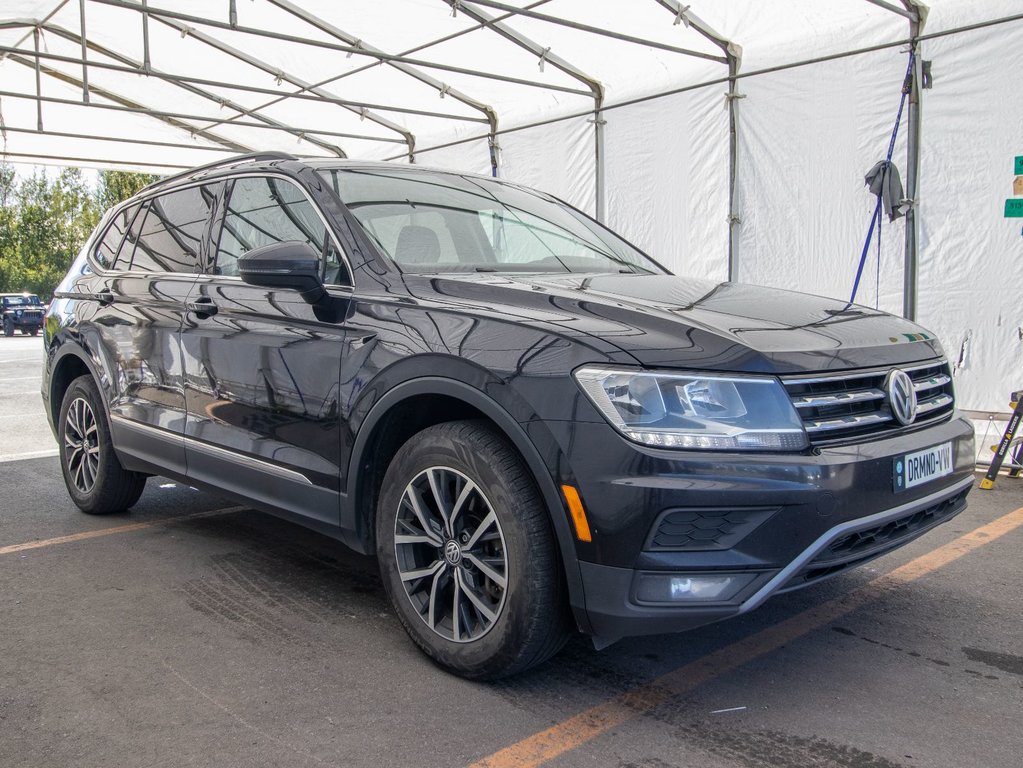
point(692, 529)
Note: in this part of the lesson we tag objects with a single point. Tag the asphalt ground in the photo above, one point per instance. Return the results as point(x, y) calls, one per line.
point(191, 632)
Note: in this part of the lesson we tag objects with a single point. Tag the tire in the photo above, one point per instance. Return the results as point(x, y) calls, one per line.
point(8, 328)
point(34, 331)
point(500, 530)
point(95, 479)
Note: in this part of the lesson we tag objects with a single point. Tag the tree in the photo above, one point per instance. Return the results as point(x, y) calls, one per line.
point(8, 239)
point(44, 222)
point(115, 186)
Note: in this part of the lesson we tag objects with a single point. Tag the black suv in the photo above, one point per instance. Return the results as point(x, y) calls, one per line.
point(22, 312)
point(533, 425)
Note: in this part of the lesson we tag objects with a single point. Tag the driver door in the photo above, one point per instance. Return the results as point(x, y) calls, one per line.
point(261, 370)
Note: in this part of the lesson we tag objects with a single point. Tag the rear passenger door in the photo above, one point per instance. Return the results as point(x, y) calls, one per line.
point(261, 369)
point(154, 253)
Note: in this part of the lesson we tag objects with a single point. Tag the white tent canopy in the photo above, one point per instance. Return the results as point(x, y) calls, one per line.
point(725, 137)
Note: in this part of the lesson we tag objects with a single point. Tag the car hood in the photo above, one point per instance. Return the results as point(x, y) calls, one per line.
point(671, 321)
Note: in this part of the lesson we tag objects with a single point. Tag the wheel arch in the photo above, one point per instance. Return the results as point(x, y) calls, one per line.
point(68, 363)
point(361, 493)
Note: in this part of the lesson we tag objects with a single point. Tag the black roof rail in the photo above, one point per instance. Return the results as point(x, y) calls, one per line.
point(251, 156)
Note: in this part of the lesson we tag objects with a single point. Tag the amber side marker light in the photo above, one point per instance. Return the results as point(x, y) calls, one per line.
point(575, 506)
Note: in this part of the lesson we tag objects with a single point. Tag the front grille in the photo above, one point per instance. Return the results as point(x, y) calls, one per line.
point(858, 547)
point(854, 404)
point(691, 529)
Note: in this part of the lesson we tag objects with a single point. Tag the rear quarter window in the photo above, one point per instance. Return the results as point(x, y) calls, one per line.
point(106, 250)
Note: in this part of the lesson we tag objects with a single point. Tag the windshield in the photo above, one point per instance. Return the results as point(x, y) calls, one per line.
point(21, 301)
point(430, 222)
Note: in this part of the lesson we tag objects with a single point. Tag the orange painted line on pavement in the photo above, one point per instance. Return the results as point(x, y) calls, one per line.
point(591, 723)
point(84, 535)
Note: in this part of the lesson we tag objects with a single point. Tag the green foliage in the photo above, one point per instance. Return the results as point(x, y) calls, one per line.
point(44, 222)
point(115, 186)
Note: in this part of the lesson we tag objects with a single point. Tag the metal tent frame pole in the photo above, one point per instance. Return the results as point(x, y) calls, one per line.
point(911, 268)
point(442, 88)
point(93, 161)
point(545, 55)
point(85, 52)
point(254, 61)
point(131, 104)
point(558, 21)
point(209, 96)
point(734, 220)
point(164, 13)
point(733, 58)
point(916, 12)
point(158, 113)
point(901, 10)
point(116, 139)
point(403, 58)
point(358, 107)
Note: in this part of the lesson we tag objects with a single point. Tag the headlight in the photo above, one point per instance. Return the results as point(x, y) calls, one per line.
point(666, 410)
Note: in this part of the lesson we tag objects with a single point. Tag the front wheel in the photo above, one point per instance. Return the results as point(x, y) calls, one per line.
point(8, 327)
point(94, 477)
point(467, 553)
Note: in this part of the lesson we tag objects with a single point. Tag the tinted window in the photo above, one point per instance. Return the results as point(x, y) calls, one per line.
point(264, 210)
point(106, 251)
point(171, 236)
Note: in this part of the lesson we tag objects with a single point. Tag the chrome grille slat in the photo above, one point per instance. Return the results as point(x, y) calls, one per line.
point(842, 399)
point(825, 425)
point(848, 375)
point(931, 383)
point(854, 404)
point(933, 404)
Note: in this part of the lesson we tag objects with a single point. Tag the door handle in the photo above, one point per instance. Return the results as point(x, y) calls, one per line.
point(202, 308)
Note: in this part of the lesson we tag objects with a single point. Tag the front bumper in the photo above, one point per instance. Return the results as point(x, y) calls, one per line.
point(807, 517)
point(610, 592)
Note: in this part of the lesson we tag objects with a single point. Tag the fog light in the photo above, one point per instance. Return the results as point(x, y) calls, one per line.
point(690, 587)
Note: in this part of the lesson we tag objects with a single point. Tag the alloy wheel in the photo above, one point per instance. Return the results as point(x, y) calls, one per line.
point(451, 555)
point(81, 444)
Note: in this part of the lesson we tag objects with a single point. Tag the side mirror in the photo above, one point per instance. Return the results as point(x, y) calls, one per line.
point(290, 264)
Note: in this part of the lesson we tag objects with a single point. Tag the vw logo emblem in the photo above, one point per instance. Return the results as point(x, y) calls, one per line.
point(901, 396)
point(453, 552)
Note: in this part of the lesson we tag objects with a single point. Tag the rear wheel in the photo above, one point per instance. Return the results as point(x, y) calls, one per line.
point(94, 477)
point(467, 553)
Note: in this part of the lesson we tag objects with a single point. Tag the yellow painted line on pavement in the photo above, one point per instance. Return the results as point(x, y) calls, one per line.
point(85, 535)
point(546, 745)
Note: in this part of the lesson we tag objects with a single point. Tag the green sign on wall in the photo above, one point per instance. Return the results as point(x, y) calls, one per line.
point(1014, 208)
point(1019, 166)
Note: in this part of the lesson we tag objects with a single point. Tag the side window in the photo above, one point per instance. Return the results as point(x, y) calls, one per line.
point(264, 210)
point(170, 239)
point(106, 251)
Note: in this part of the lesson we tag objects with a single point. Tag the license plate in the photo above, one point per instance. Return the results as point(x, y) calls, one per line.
point(922, 466)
